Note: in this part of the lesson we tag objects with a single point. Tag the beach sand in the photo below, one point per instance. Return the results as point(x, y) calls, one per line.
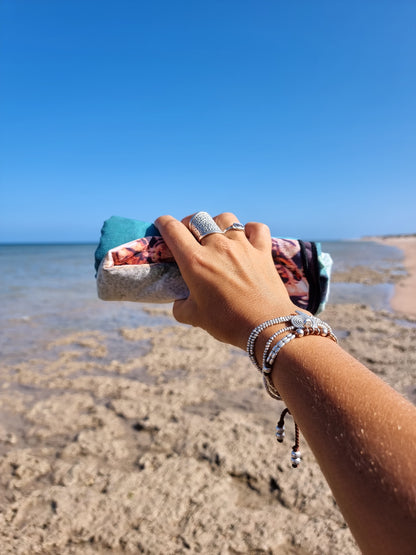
point(172, 450)
point(404, 298)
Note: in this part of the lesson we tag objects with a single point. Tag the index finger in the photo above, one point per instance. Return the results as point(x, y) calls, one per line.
point(177, 236)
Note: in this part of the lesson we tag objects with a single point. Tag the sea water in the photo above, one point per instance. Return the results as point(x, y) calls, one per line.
point(47, 291)
point(378, 257)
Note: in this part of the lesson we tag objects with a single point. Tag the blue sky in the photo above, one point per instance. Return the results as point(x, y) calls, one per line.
point(300, 114)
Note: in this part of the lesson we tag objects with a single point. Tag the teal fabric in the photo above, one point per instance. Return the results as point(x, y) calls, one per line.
point(117, 231)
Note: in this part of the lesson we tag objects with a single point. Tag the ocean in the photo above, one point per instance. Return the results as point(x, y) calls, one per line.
point(48, 291)
point(379, 257)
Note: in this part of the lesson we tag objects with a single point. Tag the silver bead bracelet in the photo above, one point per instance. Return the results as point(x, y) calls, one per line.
point(301, 325)
point(257, 331)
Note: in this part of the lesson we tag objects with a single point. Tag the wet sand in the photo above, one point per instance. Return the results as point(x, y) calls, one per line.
point(170, 448)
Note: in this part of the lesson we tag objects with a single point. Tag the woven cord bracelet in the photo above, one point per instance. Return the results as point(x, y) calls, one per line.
point(301, 325)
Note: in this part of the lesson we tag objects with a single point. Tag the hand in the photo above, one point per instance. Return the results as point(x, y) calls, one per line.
point(234, 286)
point(232, 280)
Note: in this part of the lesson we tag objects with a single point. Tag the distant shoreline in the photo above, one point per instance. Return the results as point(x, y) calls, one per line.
point(379, 238)
point(404, 297)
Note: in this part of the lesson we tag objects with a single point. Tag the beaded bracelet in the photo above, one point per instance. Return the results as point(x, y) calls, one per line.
point(257, 331)
point(270, 341)
point(301, 324)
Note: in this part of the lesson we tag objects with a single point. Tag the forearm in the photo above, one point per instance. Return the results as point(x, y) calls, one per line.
point(363, 435)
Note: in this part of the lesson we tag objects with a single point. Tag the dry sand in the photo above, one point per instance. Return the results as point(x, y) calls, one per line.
point(173, 451)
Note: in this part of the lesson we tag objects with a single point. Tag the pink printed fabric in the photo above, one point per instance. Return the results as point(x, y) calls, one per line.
point(146, 250)
point(286, 255)
point(288, 261)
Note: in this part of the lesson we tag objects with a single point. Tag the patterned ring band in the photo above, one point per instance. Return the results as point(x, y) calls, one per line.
point(236, 226)
point(202, 224)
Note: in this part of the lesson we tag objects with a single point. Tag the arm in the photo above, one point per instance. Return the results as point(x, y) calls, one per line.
point(362, 432)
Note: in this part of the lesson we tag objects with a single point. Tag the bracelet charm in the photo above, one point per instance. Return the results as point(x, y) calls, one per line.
point(298, 325)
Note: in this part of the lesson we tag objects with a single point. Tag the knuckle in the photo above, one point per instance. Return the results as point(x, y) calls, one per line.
point(164, 218)
point(258, 226)
point(170, 222)
point(225, 217)
point(164, 222)
point(229, 215)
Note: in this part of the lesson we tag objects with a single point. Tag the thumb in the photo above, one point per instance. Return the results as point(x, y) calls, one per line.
point(183, 309)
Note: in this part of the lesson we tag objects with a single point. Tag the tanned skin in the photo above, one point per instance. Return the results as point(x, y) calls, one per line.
point(341, 407)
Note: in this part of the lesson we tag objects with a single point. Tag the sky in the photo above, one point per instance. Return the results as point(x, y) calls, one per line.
point(298, 114)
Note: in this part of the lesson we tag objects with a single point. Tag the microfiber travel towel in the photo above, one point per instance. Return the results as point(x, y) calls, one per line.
point(133, 263)
point(117, 231)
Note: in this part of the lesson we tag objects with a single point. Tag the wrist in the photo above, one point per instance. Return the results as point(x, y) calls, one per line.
point(264, 337)
point(300, 361)
point(269, 338)
point(265, 334)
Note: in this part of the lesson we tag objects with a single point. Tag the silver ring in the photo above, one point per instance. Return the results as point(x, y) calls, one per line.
point(202, 224)
point(236, 226)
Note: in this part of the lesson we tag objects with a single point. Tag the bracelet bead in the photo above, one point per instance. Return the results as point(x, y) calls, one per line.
point(280, 433)
point(270, 341)
point(300, 325)
point(295, 458)
point(257, 331)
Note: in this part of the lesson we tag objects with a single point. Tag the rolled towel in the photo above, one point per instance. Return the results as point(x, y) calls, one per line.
point(133, 263)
